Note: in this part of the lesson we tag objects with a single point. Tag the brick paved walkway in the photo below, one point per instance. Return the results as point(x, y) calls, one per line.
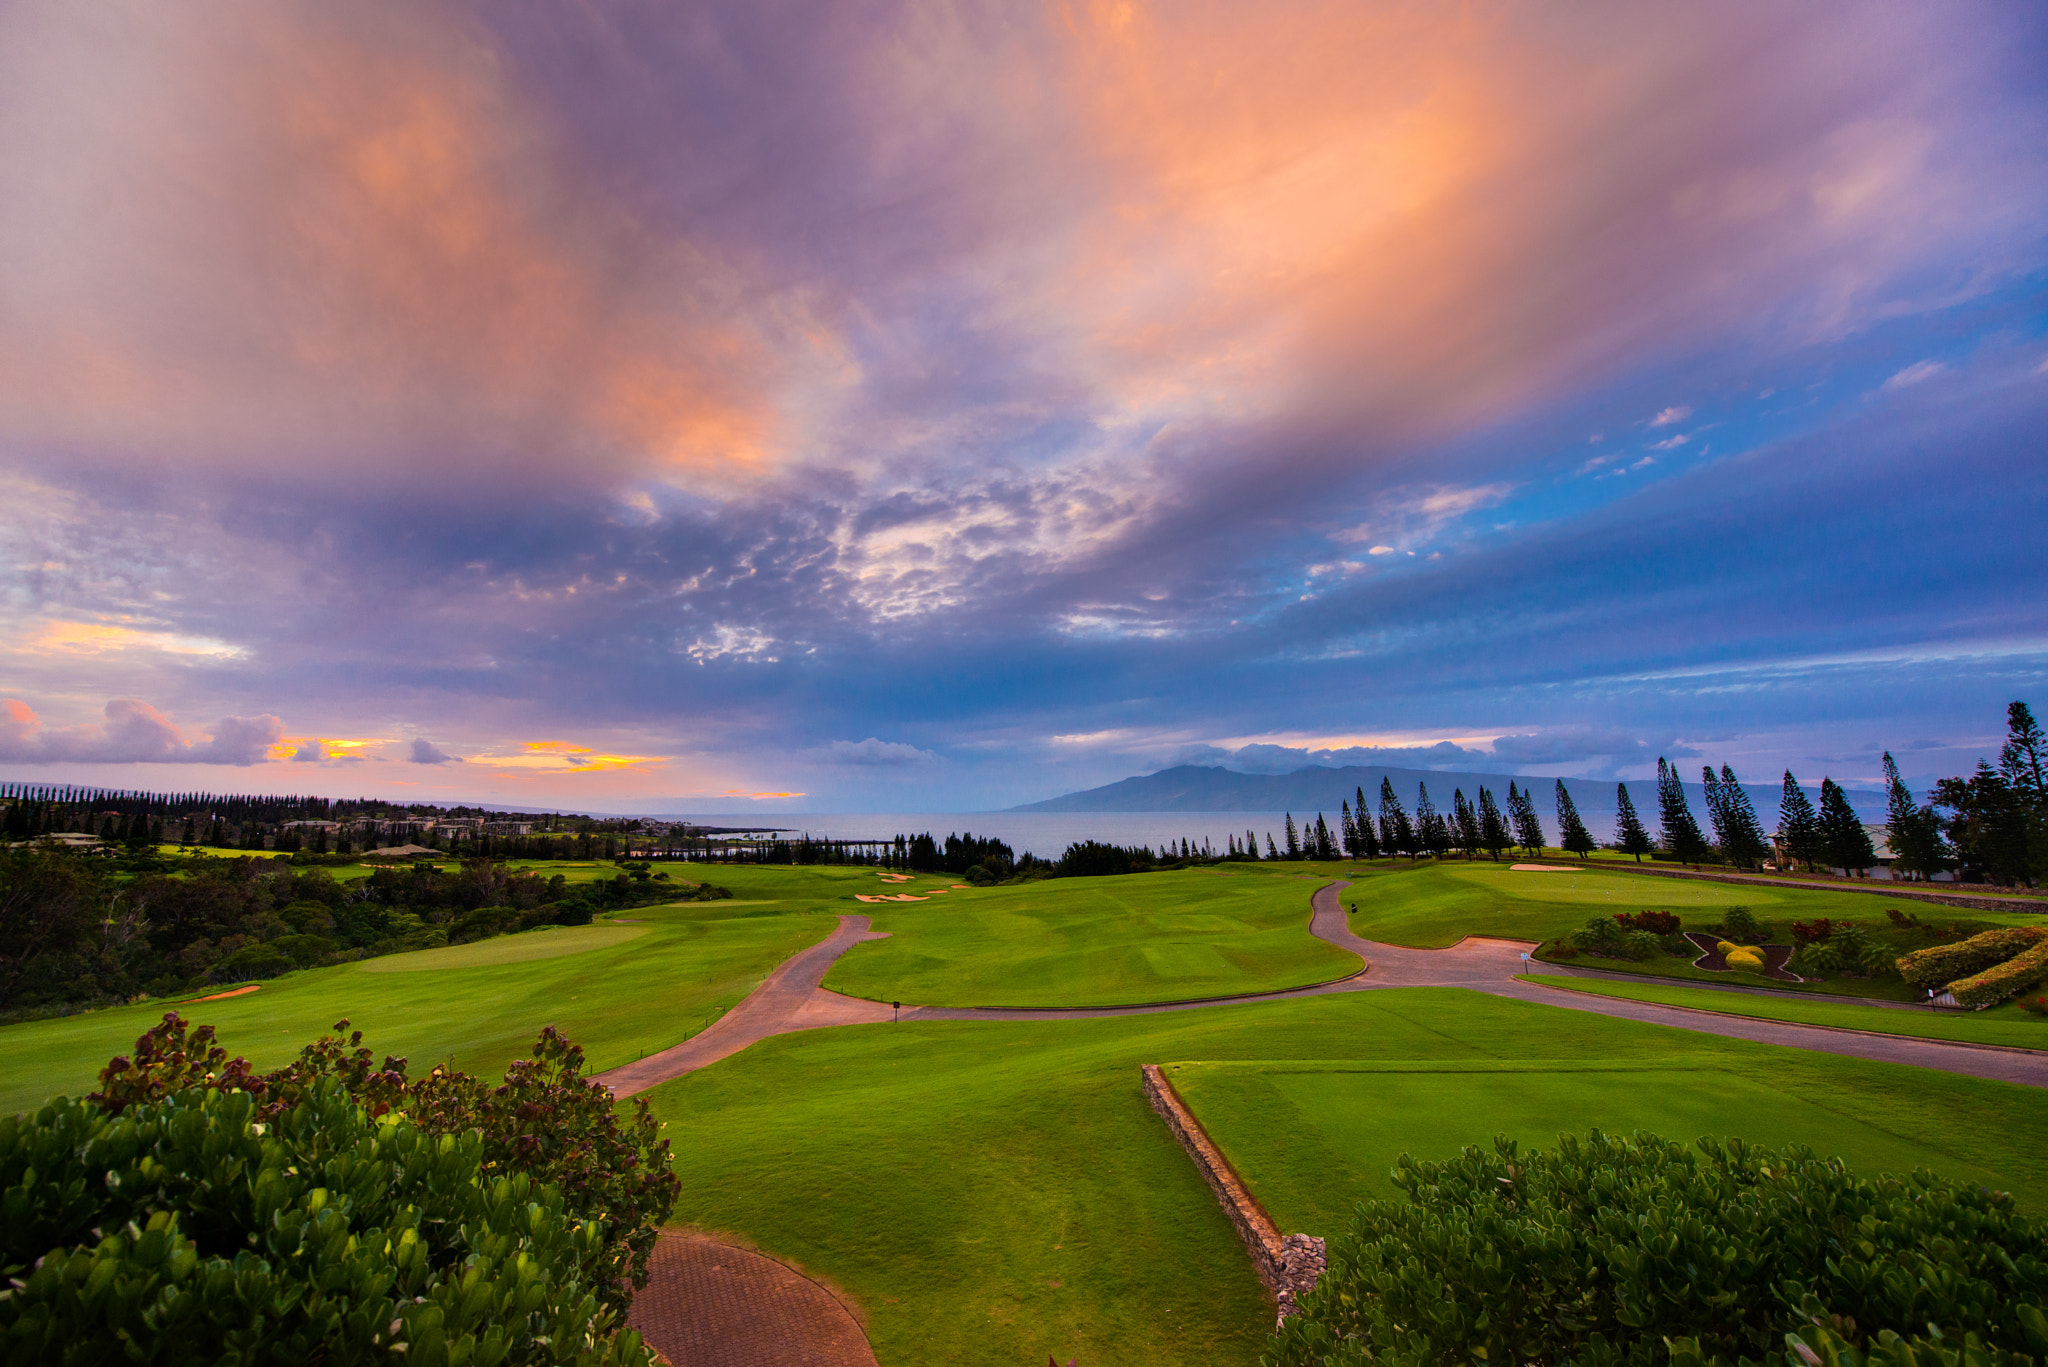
point(708, 1304)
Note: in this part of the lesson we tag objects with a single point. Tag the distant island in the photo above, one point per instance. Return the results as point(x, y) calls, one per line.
point(1206, 788)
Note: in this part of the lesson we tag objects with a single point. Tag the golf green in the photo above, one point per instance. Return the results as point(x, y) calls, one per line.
point(1173, 936)
point(997, 1192)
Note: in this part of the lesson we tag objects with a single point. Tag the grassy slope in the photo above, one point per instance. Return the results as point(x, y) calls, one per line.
point(616, 998)
point(1432, 905)
point(994, 1193)
point(1096, 941)
point(2006, 1025)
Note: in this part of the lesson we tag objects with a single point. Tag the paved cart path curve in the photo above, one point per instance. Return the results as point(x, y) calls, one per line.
point(793, 999)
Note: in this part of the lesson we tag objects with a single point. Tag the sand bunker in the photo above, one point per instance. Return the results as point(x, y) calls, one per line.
point(231, 992)
point(894, 877)
point(889, 897)
point(1539, 868)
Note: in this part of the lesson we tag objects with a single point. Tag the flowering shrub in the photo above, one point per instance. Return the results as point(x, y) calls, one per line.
point(1813, 932)
point(1656, 922)
point(2035, 1006)
point(1641, 1252)
point(547, 1122)
point(1939, 965)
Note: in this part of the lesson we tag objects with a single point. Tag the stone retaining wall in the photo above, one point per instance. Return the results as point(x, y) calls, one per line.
point(1290, 1265)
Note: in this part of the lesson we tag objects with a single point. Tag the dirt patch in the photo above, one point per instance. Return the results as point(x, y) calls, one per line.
point(1541, 868)
point(710, 1304)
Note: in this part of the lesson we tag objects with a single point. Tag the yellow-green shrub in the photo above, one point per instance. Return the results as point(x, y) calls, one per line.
point(2000, 981)
point(1942, 964)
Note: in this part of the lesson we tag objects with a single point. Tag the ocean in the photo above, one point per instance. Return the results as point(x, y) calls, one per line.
point(1045, 834)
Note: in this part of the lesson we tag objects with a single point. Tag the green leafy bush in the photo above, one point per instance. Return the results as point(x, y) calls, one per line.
point(1939, 965)
point(2028, 968)
point(184, 1230)
point(253, 961)
point(1602, 1251)
point(1740, 925)
point(547, 1122)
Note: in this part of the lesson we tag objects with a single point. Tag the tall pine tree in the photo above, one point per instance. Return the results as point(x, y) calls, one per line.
point(1467, 822)
point(1799, 825)
point(1528, 826)
point(1913, 831)
point(1430, 831)
point(1350, 830)
point(1848, 844)
point(1745, 843)
point(1493, 832)
point(1680, 833)
point(1571, 831)
point(1396, 834)
point(1293, 839)
point(1629, 835)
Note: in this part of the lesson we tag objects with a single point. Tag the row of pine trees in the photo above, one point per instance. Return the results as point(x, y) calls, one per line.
point(1993, 824)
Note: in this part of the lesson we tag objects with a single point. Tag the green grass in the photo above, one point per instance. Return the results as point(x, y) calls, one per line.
point(1096, 941)
point(1432, 905)
point(2005, 1025)
point(616, 990)
point(548, 942)
point(994, 1193)
point(1312, 1139)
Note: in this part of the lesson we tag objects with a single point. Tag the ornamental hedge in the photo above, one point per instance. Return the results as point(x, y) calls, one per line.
point(1632, 1251)
point(1939, 965)
point(2026, 969)
point(186, 1230)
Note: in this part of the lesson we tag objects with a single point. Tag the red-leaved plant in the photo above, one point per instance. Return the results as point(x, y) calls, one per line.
point(547, 1120)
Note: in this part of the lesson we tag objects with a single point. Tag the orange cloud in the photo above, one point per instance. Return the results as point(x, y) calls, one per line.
point(562, 757)
point(756, 797)
point(343, 224)
point(98, 638)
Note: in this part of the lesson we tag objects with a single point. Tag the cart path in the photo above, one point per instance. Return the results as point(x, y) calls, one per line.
point(792, 999)
point(710, 1304)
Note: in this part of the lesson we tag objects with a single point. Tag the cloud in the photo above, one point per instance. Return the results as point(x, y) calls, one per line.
point(874, 753)
point(1670, 443)
point(426, 752)
point(1667, 416)
point(133, 733)
point(1915, 374)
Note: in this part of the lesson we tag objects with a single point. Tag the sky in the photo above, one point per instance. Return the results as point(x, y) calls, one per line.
point(937, 406)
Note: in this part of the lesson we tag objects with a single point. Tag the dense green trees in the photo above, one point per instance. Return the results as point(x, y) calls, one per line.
point(1629, 835)
point(1913, 831)
point(1571, 831)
